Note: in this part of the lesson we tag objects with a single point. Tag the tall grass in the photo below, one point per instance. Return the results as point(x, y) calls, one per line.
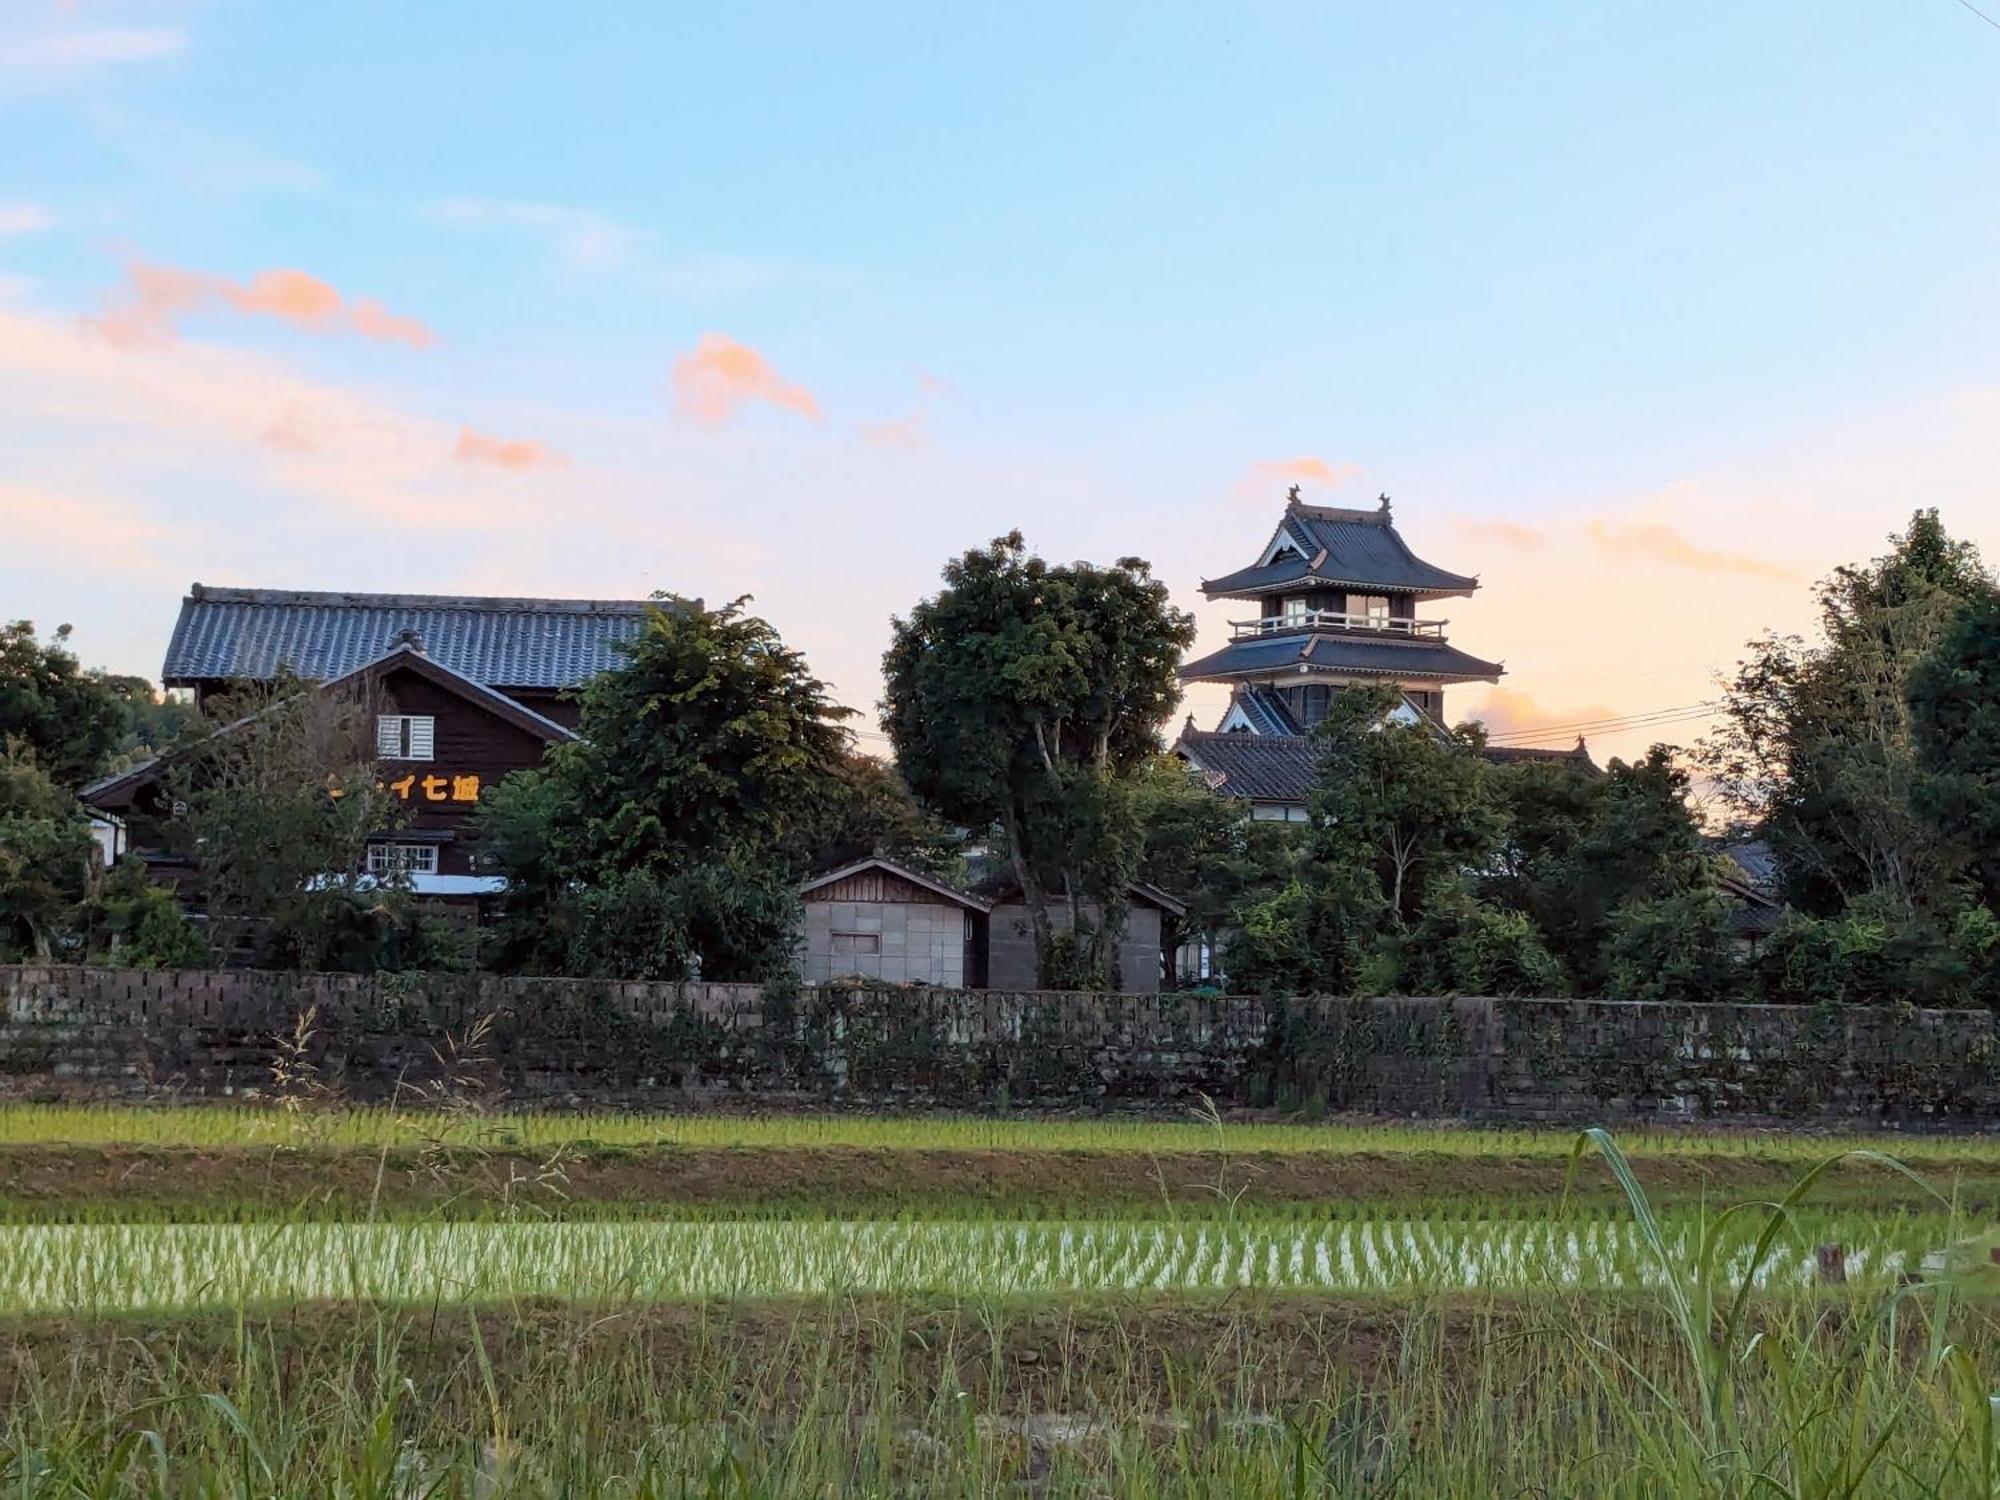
point(1698, 1356)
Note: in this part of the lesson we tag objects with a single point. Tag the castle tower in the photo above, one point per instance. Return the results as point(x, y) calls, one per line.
point(1336, 595)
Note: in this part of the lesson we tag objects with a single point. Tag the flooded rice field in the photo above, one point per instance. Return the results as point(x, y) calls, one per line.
point(114, 1267)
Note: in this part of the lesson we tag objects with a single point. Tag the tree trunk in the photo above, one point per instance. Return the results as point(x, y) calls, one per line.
point(1032, 894)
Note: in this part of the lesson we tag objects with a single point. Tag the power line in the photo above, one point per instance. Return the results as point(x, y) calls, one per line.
point(1605, 723)
point(1981, 14)
point(1531, 741)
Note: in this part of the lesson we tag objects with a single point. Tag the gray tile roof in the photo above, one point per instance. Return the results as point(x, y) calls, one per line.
point(1578, 755)
point(1255, 767)
point(1266, 710)
point(1362, 549)
point(1360, 656)
point(506, 643)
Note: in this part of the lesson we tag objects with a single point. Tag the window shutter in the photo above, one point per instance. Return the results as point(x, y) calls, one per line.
point(423, 733)
point(389, 736)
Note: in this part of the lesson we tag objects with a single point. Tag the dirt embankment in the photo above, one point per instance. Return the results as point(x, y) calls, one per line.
point(61, 1182)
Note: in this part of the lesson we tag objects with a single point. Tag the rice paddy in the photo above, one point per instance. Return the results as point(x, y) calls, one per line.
point(261, 1300)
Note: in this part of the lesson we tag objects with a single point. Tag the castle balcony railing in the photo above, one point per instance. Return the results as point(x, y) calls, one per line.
point(1327, 619)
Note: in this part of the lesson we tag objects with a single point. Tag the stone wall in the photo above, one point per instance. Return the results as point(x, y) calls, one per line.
point(565, 1041)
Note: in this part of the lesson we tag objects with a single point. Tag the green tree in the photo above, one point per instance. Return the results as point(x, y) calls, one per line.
point(1583, 852)
point(130, 919)
point(1955, 722)
point(1464, 944)
point(1025, 698)
point(44, 857)
point(1401, 811)
point(1205, 849)
point(870, 810)
point(669, 839)
point(69, 719)
point(1817, 748)
point(1400, 799)
point(277, 804)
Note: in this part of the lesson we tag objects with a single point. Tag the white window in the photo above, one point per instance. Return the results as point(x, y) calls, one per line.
point(402, 859)
point(1295, 610)
point(405, 736)
point(1373, 607)
point(857, 942)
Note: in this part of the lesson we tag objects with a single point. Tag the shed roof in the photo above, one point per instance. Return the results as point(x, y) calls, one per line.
point(252, 634)
point(903, 872)
point(1329, 546)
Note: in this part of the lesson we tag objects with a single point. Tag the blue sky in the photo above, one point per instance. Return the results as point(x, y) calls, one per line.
point(1647, 314)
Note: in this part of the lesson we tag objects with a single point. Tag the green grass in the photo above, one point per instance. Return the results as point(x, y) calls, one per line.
point(1472, 1343)
point(215, 1126)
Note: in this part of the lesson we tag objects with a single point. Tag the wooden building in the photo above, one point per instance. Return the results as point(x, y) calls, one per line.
point(1144, 946)
point(458, 691)
point(875, 919)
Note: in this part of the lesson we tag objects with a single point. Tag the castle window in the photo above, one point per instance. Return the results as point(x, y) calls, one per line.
point(1374, 607)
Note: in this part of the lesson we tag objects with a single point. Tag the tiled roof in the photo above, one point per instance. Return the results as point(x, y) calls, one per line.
point(1754, 863)
point(1502, 755)
point(1358, 548)
point(509, 643)
point(1361, 656)
point(1265, 710)
point(1255, 767)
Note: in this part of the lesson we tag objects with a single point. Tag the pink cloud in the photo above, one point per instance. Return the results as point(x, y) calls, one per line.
point(517, 455)
point(155, 298)
point(1267, 474)
point(1660, 543)
point(1505, 533)
point(114, 536)
point(908, 432)
point(372, 320)
point(712, 384)
point(1509, 711)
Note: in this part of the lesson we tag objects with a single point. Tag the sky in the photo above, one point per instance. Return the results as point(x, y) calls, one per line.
point(1648, 315)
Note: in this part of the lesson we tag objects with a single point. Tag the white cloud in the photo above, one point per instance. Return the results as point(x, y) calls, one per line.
point(58, 52)
point(23, 218)
point(582, 238)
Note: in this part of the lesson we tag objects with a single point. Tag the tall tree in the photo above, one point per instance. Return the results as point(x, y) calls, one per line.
point(669, 839)
point(277, 805)
point(1024, 698)
point(1400, 799)
point(1955, 720)
point(1581, 851)
point(44, 857)
point(70, 720)
point(1817, 748)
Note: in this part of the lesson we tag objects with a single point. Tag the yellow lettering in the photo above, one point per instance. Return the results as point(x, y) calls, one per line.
point(465, 788)
point(402, 788)
point(434, 788)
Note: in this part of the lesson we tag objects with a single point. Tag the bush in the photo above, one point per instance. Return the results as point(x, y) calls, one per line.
point(1466, 946)
point(1674, 948)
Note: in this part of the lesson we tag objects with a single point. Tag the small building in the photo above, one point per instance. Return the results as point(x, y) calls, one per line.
point(1145, 947)
point(875, 919)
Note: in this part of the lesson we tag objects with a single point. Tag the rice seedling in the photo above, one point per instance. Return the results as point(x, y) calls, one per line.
point(1465, 1344)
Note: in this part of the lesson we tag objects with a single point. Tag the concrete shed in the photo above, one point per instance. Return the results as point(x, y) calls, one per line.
point(875, 919)
point(1142, 946)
